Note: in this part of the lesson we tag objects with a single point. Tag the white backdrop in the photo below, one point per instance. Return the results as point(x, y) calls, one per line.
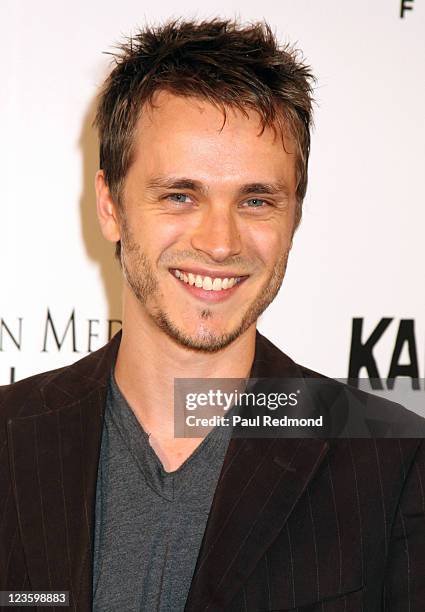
point(359, 251)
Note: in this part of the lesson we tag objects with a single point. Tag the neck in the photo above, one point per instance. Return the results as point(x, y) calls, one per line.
point(149, 360)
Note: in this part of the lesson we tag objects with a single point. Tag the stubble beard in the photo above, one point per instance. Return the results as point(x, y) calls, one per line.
point(140, 277)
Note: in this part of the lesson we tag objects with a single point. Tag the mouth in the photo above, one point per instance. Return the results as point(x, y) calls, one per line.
point(213, 287)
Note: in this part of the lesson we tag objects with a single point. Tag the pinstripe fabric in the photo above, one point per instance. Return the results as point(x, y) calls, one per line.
point(308, 525)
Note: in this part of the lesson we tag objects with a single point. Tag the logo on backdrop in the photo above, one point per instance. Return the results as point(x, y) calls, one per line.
point(361, 354)
point(405, 6)
point(77, 335)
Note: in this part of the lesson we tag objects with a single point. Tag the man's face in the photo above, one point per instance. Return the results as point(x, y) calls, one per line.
point(207, 220)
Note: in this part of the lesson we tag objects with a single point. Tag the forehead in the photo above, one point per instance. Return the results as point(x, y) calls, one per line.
point(175, 131)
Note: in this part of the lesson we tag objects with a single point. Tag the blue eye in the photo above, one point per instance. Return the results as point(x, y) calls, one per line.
point(256, 203)
point(181, 198)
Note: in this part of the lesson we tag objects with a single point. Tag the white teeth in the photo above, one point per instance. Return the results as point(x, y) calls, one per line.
point(216, 284)
point(206, 282)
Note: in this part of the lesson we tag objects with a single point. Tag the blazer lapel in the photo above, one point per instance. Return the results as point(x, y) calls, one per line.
point(54, 457)
point(259, 485)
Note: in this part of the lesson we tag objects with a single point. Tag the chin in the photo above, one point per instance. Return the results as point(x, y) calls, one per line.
point(204, 338)
point(209, 339)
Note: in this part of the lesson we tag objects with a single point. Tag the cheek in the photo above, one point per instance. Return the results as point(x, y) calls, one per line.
point(266, 241)
point(161, 231)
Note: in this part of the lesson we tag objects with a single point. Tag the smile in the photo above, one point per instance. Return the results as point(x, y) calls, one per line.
point(208, 287)
point(207, 282)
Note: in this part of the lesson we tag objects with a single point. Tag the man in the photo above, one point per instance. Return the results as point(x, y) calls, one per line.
point(204, 144)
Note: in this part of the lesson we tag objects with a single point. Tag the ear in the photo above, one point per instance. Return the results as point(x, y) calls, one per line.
point(107, 211)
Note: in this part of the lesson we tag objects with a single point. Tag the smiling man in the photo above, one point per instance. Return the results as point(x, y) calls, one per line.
point(204, 146)
point(209, 209)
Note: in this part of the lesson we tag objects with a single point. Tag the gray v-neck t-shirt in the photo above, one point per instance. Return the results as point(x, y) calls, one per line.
point(149, 523)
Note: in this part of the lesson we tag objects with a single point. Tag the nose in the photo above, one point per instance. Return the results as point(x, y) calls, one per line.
point(217, 234)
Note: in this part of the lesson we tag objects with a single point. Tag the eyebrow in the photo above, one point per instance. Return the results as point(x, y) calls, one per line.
point(182, 183)
point(264, 188)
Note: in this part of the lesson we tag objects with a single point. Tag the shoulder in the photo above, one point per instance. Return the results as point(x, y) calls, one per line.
point(53, 389)
point(353, 412)
point(27, 389)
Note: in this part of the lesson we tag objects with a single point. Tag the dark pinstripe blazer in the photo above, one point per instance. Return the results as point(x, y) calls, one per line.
point(313, 525)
